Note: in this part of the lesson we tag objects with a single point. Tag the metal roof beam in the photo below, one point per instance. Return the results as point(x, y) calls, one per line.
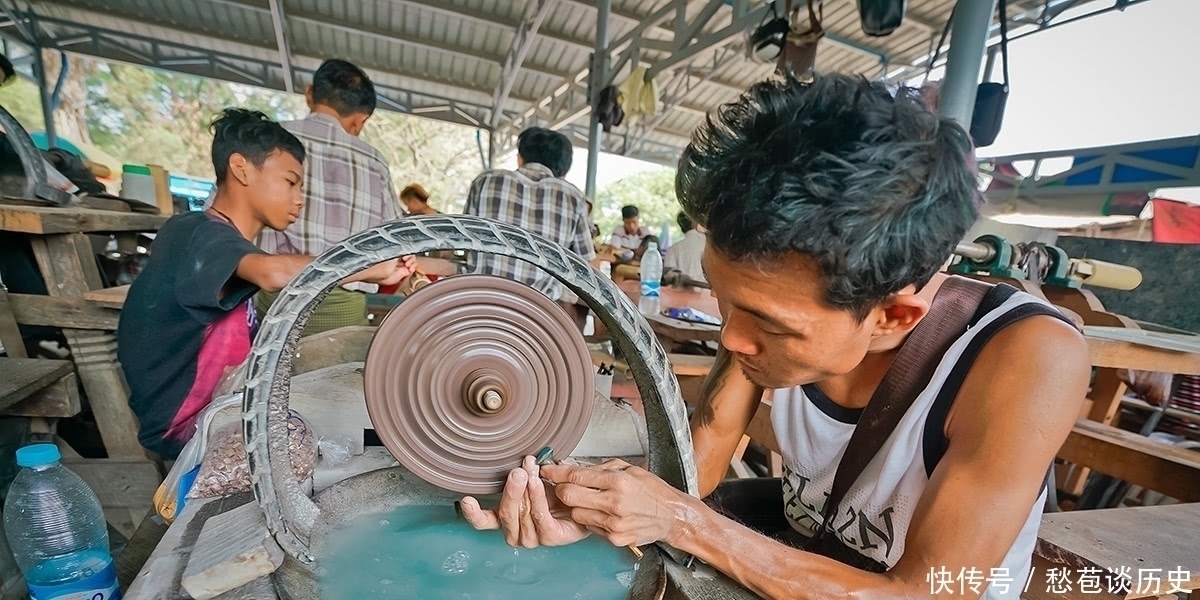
point(210, 61)
point(22, 28)
point(363, 29)
point(279, 22)
point(629, 47)
point(369, 31)
point(257, 45)
point(487, 19)
point(535, 13)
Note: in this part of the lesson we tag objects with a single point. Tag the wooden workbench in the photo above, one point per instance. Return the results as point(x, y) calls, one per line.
point(58, 237)
point(1160, 540)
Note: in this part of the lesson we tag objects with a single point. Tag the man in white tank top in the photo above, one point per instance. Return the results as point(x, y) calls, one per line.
point(831, 207)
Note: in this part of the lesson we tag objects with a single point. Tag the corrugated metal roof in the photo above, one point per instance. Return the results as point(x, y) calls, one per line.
point(444, 58)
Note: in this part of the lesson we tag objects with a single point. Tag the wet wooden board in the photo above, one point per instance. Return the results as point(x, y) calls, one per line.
point(1125, 455)
point(113, 297)
point(234, 549)
point(44, 220)
point(21, 378)
point(1148, 537)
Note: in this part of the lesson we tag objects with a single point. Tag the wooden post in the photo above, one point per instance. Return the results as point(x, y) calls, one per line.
point(69, 270)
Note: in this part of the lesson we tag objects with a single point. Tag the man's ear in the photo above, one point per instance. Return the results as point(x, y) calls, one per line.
point(308, 97)
point(240, 169)
point(355, 123)
point(899, 314)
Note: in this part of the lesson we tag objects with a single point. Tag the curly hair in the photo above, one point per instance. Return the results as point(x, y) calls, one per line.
point(872, 186)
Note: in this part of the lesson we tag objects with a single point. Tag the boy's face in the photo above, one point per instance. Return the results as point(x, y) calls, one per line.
point(275, 190)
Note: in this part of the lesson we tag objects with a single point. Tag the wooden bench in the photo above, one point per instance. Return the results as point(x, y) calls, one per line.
point(1110, 540)
point(1139, 460)
point(32, 387)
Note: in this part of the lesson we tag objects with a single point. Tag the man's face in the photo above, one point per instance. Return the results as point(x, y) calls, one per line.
point(275, 189)
point(631, 225)
point(778, 325)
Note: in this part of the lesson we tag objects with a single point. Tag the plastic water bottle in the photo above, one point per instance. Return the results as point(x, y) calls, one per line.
point(56, 530)
point(652, 268)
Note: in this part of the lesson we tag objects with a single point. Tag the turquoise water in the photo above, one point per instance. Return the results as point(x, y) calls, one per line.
point(428, 553)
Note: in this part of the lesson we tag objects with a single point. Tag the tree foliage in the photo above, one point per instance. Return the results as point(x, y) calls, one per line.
point(653, 192)
point(146, 116)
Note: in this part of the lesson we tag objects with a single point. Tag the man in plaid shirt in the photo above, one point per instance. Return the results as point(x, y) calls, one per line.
point(536, 198)
point(347, 186)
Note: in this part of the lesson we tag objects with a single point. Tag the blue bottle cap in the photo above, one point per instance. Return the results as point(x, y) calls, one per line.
point(37, 455)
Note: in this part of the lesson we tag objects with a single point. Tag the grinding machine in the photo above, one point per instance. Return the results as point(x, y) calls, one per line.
point(461, 380)
point(471, 373)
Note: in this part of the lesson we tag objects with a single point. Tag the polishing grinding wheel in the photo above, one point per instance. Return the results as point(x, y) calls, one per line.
point(470, 374)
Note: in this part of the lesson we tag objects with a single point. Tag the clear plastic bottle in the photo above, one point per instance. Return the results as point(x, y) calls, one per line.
point(56, 530)
point(651, 269)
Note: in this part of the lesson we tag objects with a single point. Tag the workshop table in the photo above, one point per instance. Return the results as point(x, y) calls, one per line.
point(676, 330)
point(1155, 548)
point(66, 261)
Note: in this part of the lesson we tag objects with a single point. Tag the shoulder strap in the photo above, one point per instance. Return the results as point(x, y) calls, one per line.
point(950, 314)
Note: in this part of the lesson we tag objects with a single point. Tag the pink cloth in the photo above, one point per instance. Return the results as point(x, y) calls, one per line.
point(226, 344)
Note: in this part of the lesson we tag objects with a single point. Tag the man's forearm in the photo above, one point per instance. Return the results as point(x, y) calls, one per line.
point(772, 569)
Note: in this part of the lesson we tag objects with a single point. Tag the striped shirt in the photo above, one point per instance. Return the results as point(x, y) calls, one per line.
point(533, 199)
point(347, 189)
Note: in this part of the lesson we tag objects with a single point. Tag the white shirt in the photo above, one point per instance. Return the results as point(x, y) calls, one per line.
point(685, 256)
point(874, 516)
point(620, 239)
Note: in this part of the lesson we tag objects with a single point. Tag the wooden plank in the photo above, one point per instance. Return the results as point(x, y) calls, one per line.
point(1136, 459)
point(1127, 355)
point(113, 297)
point(45, 220)
point(234, 549)
point(58, 400)
point(10, 334)
point(118, 482)
point(1148, 537)
point(68, 271)
point(32, 309)
point(690, 365)
point(20, 378)
point(1152, 339)
point(87, 260)
point(1178, 413)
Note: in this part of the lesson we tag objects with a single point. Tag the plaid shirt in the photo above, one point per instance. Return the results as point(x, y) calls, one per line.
point(347, 189)
point(533, 199)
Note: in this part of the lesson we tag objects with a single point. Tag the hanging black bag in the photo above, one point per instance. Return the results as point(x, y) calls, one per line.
point(881, 17)
point(992, 97)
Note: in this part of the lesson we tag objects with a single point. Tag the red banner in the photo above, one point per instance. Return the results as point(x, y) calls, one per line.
point(1176, 222)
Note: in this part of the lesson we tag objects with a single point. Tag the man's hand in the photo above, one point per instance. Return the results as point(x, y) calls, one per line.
point(527, 515)
point(622, 503)
point(388, 272)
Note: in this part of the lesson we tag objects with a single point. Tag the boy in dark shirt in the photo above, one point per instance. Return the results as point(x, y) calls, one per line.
point(187, 318)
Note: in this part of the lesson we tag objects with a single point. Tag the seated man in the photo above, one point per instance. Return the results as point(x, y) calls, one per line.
point(830, 208)
point(188, 316)
point(629, 238)
point(536, 198)
point(685, 256)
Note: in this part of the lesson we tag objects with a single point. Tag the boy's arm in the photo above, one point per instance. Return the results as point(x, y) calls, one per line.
point(272, 272)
